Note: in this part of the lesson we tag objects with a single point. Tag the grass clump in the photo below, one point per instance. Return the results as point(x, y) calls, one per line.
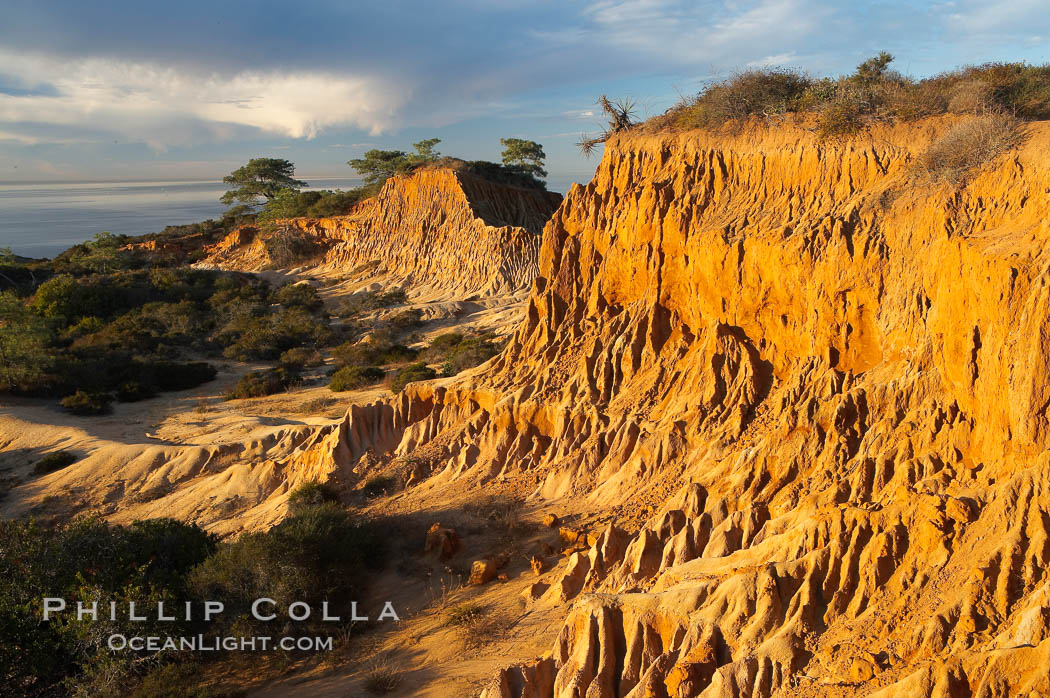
point(287, 247)
point(406, 319)
point(319, 404)
point(474, 624)
point(54, 461)
point(355, 378)
point(968, 145)
point(464, 614)
point(383, 676)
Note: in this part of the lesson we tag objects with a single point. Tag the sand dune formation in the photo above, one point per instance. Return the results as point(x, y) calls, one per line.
point(804, 385)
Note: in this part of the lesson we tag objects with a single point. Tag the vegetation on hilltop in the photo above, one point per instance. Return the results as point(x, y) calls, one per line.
point(873, 92)
point(621, 118)
point(994, 98)
point(524, 157)
point(844, 105)
point(522, 164)
point(261, 177)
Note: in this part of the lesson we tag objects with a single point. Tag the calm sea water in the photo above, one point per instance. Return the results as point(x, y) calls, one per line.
point(41, 220)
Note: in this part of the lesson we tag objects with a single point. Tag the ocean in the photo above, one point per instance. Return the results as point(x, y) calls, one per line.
point(41, 220)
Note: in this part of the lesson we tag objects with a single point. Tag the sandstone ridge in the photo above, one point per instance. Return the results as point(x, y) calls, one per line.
point(439, 233)
point(811, 386)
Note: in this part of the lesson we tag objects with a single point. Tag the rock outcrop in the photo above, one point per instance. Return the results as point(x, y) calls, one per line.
point(812, 384)
point(437, 232)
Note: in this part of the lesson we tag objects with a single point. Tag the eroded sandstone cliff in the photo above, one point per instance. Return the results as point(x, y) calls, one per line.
point(438, 233)
point(810, 383)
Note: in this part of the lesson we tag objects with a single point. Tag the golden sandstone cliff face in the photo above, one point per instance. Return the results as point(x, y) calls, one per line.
point(442, 233)
point(819, 379)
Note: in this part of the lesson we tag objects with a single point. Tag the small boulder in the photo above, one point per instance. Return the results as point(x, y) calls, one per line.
point(442, 541)
point(861, 670)
point(550, 520)
point(537, 564)
point(484, 571)
point(570, 536)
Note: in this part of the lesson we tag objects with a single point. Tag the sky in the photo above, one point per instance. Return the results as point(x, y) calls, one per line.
point(122, 90)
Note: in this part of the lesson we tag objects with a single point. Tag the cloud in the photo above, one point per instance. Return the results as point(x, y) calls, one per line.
point(164, 106)
point(197, 72)
point(780, 59)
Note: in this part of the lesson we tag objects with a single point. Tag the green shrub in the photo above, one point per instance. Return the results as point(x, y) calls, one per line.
point(133, 391)
point(442, 345)
point(85, 559)
point(84, 404)
point(262, 383)
point(177, 680)
point(53, 461)
point(25, 340)
point(467, 354)
point(758, 92)
point(1019, 89)
point(313, 204)
point(842, 117)
point(416, 372)
point(267, 336)
point(366, 301)
point(320, 553)
point(358, 354)
point(372, 353)
point(395, 353)
point(65, 297)
point(299, 358)
point(354, 378)
point(379, 485)
point(300, 295)
point(310, 494)
point(456, 352)
point(405, 319)
point(172, 375)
